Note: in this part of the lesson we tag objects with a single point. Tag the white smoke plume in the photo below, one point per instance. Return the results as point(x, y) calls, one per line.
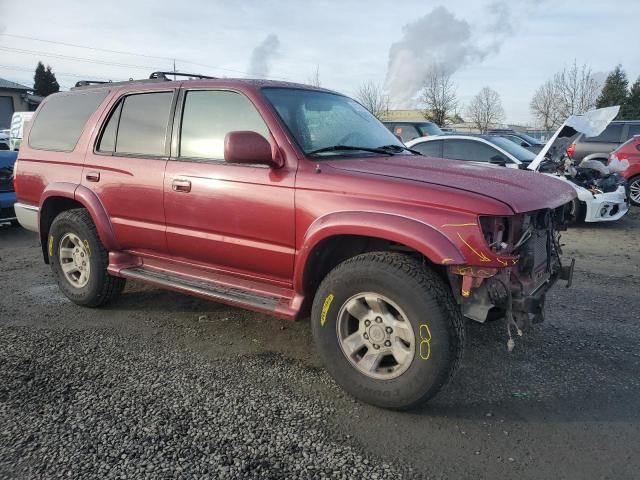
point(262, 55)
point(441, 40)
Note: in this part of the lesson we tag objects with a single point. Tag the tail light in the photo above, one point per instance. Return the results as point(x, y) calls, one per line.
point(571, 149)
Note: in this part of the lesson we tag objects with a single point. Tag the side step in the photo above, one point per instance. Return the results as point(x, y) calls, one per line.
point(209, 290)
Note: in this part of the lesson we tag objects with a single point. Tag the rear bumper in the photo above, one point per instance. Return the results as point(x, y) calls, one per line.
point(27, 216)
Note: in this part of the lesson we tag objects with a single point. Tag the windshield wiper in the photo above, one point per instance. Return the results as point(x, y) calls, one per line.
point(335, 148)
point(399, 148)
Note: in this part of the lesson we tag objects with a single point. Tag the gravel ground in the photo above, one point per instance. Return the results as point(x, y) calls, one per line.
point(161, 385)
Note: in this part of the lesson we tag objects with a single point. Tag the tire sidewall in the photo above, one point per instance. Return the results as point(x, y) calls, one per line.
point(631, 181)
point(424, 375)
point(60, 227)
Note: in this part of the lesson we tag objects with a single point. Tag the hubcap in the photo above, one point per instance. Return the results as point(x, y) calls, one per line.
point(375, 335)
point(74, 260)
point(635, 190)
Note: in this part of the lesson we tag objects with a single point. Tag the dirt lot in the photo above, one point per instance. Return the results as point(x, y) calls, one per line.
point(161, 385)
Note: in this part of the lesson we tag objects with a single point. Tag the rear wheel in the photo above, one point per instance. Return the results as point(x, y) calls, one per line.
point(79, 260)
point(634, 190)
point(577, 211)
point(387, 329)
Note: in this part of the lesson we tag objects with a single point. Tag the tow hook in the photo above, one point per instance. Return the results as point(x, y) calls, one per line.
point(566, 272)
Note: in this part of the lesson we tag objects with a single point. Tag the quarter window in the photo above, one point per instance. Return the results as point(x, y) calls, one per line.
point(62, 118)
point(207, 118)
point(611, 134)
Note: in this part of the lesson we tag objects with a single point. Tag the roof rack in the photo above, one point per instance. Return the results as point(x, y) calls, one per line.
point(154, 77)
point(163, 75)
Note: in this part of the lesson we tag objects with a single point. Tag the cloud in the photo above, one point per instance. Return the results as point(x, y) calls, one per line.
point(439, 39)
point(262, 55)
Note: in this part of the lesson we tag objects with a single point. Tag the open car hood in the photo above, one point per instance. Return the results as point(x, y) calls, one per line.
point(591, 124)
point(522, 191)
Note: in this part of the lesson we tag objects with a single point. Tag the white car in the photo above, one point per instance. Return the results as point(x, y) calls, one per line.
point(601, 196)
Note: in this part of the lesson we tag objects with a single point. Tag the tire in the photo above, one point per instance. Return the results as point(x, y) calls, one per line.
point(96, 287)
point(408, 291)
point(634, 190)
point(578, 212)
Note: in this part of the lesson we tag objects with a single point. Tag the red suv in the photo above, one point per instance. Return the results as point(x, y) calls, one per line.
point(630, 150)
point(288, 199)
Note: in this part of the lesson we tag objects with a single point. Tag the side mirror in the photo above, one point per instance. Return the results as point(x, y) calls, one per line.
point(498, 160)
point(524, 144)
point(246, 147)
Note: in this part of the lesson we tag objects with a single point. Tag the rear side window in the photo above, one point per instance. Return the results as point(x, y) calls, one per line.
point(406, 131)
point(207, 118)
point(611, 134)
point(62, 118)
point(430, 149)
point(469, 150)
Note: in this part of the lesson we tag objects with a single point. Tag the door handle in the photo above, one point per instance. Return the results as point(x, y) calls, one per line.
point(179, 185)
point(93, 176)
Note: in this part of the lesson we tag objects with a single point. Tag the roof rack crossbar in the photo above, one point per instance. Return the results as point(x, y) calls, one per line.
point(86, 83)
point(164, 75)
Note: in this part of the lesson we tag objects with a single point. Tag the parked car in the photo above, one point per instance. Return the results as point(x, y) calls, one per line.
point(407, 131)
point(7, 194)
point(18, 122)
point(526, 141)
point(4, 139)
point(476, 148)
point(600, 146)
point(289, 200)
point(630, 151)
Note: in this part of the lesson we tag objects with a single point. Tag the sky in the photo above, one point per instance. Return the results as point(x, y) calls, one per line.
point(512, 47)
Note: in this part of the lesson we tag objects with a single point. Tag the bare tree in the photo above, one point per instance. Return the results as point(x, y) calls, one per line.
point(572, 91)
point(485, 109)
point(373, 98)
point(576, 89)
point(438, 95)
point(315, 78)
point(544, 106)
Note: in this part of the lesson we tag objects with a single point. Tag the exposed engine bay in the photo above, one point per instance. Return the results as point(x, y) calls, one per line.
point(603, 194)
point(517, 292)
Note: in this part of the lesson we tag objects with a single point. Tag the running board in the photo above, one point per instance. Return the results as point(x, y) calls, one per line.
point(209, 290)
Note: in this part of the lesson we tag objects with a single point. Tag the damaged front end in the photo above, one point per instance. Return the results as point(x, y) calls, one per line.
point(516, 291)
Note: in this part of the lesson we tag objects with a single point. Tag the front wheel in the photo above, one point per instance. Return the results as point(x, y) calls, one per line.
point(634, 190)
point(388, 329)
point(79, 260)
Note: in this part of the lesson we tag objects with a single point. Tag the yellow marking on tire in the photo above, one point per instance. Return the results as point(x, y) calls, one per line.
point(325, 309)
point(425, 341)
point(50, 248)
point(87, 248)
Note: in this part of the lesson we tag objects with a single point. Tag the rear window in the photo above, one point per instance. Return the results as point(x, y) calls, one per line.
point(429, 128)
point(62, 118)
point(634, 129)
point(611, 134)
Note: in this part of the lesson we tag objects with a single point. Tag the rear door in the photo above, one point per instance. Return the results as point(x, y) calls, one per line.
point(126, 167)
point(603, 144)
point(232, 218)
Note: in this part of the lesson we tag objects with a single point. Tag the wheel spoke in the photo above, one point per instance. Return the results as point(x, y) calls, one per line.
point(66, 253)
point(402, 330)
point(353, 343)
point(400, 352)
point(357, 309)
point(370, 361)
point(376, 304)
point(69, 267)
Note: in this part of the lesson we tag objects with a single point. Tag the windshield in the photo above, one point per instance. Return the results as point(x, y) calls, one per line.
point(428, 128)
point(320, 120)
point(517, 151)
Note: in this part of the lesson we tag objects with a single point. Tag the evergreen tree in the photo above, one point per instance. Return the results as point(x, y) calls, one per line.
point(631, 108)
point(614, 91)
point(44, 81)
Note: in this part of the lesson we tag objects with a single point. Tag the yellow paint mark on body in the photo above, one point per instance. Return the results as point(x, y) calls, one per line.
point(425, 341)
point(502, 262)
point(447, 260)
point(50, 247)
point(325, 309)
point(481, 255)
point(459, 225)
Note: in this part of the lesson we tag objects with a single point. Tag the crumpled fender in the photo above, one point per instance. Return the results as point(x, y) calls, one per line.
point(90, 201)
point(413, 233)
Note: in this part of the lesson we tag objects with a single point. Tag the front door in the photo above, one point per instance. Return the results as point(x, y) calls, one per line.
point(126, 168)
point(237, 219)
